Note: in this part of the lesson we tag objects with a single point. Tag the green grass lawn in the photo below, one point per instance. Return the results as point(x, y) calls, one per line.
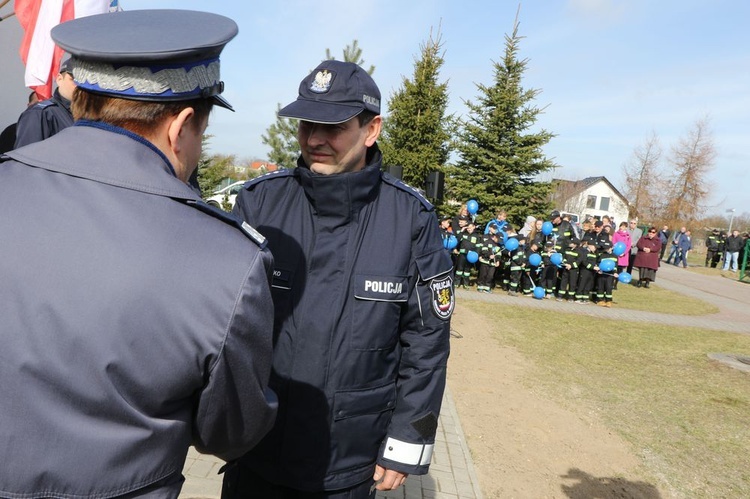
point(685, 415)
point(657, 299)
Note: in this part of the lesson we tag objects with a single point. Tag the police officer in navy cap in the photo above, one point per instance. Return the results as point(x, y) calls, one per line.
point(363, 294)
point(44, 119)
point(136, 320)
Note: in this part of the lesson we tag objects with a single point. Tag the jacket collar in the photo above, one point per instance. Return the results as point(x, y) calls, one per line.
point(60, 100)
point(344, 194)
point(109, 155)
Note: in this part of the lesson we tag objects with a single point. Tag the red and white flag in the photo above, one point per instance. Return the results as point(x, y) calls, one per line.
point(38, 52)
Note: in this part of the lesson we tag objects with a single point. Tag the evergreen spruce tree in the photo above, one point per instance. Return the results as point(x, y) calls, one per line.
point(500, 158)
point(281, 136)
point(416, 132)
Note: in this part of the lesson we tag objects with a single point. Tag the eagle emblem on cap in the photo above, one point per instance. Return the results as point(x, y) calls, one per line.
point(322, 82)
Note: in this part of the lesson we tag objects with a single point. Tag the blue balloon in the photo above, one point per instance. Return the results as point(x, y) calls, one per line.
point(472, 206)
point(535, 259)
point(511, 244)
point(547, 228)
point(625, 278)
point(556, 258)
point(539, 292)
point(452, 242)
point(472, 257)
point(619, 249)
point(607, 265)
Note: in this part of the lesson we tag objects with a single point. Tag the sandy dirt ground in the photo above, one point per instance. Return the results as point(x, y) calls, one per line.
point(523, 444)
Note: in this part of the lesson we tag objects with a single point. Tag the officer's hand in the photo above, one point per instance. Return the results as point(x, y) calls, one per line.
point(388, 479)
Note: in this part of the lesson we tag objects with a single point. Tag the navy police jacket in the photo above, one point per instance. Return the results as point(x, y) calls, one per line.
point(134, 322)
point(363, 293)
point(43, 120)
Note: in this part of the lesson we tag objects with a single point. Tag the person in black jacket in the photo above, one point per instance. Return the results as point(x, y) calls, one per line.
point(363, 294)
point(562, 231)
point(45, 119)
point(733, 246)
point(712, 248)
point(8, 135)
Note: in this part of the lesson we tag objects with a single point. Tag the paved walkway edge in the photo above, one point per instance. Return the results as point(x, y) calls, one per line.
point(451, 407)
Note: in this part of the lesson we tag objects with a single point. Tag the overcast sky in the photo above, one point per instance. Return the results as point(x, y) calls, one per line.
point(610, 72)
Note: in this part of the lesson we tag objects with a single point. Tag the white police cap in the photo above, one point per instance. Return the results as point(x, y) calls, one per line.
point(149, 55)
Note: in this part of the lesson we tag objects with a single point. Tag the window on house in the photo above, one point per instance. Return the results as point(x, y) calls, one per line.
point(604, 204)
point(591, 202)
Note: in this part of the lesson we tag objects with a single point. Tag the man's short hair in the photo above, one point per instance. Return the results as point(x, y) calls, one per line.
point(140, 117)
point(365, 117)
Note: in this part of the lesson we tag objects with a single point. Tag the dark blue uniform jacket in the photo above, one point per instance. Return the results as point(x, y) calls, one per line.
point(43, 120)
point(363, 295)
point(133, 324)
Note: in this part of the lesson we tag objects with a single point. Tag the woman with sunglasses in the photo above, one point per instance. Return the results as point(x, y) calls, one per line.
point(647, 258)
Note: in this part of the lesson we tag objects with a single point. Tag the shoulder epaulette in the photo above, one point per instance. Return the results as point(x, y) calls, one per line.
point(45, 103)
point(281, 173)
point(399, 184)
point(230, 219)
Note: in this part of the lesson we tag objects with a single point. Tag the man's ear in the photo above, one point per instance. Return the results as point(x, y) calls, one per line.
point(177, 129)
point(373, 130)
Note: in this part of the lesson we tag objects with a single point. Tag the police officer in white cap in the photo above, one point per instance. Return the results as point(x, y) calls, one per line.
point(136, 320)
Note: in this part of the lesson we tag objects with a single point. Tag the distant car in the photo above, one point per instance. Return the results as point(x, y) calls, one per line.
point(229, 193)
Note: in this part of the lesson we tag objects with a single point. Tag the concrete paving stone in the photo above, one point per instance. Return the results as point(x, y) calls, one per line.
point(459, 465)
point(441, 476)
point(201, 468)
point(452, 438)
point(447, 485)
point(445, 468)
point(455, 451)
point(429, 485)
point(465, 490)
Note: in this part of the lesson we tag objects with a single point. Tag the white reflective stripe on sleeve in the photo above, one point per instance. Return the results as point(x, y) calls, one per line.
point(406, 453)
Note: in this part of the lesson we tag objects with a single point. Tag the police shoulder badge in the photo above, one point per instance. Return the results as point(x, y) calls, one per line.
point(322, 82)
point(442, 297)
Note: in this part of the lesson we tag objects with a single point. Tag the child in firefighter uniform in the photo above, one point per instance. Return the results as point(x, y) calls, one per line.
point(586, 273)
point(572, 260)
point(489, 259)
point(468, 240)
point(605, 279)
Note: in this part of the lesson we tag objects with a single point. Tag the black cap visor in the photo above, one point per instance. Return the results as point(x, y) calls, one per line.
point(327, 113)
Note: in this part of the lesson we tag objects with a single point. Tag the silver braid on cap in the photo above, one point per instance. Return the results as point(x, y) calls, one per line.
point(143, 80)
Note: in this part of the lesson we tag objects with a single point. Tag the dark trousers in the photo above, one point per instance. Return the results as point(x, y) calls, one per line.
point(604, 285)
point(463, 270)
point(486, 275)
point(568, 284)
point(661, 252)
point(673, 253)
point(549, 279)
point(681, 257)
point(242, 483)
point(514, 279)
point(631, 261)
point(585, 284)
point(711, 258)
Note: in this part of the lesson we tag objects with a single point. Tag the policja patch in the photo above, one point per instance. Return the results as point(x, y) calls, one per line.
point(443, 299)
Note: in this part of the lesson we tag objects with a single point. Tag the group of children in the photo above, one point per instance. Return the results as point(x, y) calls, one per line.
point(564, 266)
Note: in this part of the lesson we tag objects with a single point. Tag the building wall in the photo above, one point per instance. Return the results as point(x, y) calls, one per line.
point(581, 204)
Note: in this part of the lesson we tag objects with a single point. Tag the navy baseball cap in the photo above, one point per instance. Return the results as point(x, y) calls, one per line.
point(66, 66)
point(334, 92)
point(149, 55)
